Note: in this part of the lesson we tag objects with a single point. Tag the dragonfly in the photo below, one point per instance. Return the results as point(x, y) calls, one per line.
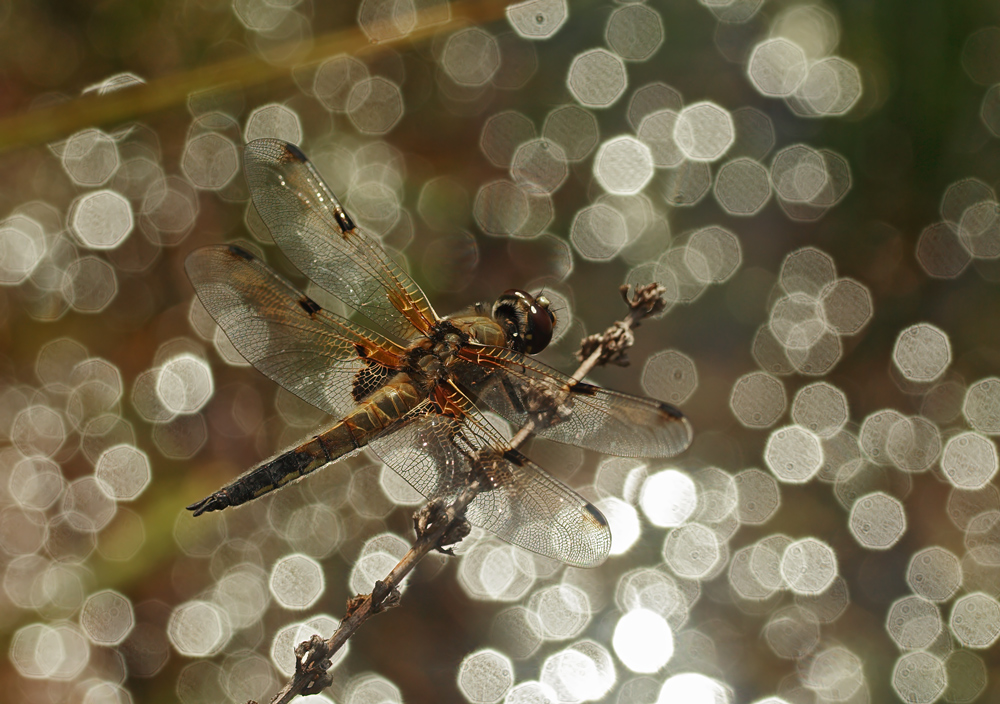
point(406, 383)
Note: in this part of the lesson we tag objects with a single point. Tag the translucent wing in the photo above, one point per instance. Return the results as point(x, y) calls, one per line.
point(522, 390)
point(437, 453)
point(322, 358)
point(312, 229)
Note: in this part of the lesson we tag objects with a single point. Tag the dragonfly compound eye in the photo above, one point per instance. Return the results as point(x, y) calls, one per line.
point(528, 320)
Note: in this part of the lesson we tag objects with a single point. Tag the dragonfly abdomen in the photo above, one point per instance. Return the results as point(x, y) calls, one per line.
point(331, 445)
point(384, 407)
point(370, 418)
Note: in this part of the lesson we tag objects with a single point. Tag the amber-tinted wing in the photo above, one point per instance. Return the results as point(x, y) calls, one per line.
point(319, 356)
point(523, 390)
point(309, 224)
point(437, 453)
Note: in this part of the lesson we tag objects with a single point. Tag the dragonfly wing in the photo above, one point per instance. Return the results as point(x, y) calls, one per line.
point(524, 391)
point(319, 356)
point(438, 452)
point(312, 229)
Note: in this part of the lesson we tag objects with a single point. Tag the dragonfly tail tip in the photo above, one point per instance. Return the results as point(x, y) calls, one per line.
point(209, 503)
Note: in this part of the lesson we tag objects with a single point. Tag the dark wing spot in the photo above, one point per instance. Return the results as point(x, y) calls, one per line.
point(344, 220)
point(583, 389)
point(238, 251)
point(669, 410)
point(309, 305)
point(369, 380)
point(595, 514)
point(295, 153)
point(514, 457)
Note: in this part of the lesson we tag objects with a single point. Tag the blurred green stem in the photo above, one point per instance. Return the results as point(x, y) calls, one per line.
point(57, 121)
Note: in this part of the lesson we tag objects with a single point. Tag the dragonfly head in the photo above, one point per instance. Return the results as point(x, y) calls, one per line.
point(526, 320)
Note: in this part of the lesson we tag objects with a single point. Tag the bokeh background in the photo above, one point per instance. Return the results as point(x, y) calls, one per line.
point(813, 182)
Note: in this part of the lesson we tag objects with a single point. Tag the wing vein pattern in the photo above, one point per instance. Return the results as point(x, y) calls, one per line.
point(522, 504)
point(300, 211)
point(523, 390)
point(312, 352)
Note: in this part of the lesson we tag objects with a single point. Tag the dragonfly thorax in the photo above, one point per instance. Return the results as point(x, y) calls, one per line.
point(429, 356)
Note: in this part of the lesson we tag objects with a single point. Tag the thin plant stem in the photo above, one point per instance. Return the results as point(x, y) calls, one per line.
point(58, 120)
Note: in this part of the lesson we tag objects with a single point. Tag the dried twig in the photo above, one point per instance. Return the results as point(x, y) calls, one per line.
point(439, 525)
point(313, 657)
point(610, 346)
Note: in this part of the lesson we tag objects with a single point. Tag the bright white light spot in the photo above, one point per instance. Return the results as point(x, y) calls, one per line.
point(836, 673)
point(643, 641)
point(375, 105)
point(914, 623)
point(597, 78)
point(563, 611)
point(777, 67)
point(982, 406)
point(922, 352)
point(185, 384)
point(39, 651)
point(90, 157)
point(975, 620)
point(242, 594)
point(273, 120)
point(471, 57)
point(808, 566)
point(692, 688)
point(692, 551)
point(935, 574)
point(485, 676)
point(582, 672)
point(198, 629)
point(102, 219)
point(623, 165)
point(107, 617)
point(123, 471)
point(794, 454)
point(704, 131)
point(668, 498)
point(758, 399)
point(877, 521)
point(598, 232)
point(969, 460)
point(624, 521)
point(210, 161)
point(22, 246)
point(919, 677)
point(653, 589)
point(297, 581)
point(820, 408)
point(537, 19)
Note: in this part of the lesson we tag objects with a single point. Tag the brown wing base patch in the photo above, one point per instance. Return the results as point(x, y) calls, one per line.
point(369, 379)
